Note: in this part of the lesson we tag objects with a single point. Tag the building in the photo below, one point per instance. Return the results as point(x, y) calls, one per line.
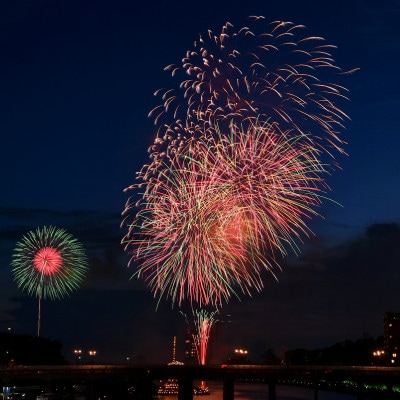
point(391, 337)
point(190, 347)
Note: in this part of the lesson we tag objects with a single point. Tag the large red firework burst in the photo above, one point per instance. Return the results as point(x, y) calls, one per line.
point(238, 163)
point(216, 217)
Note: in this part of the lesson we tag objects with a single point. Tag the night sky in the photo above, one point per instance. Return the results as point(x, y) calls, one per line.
point(77, 81)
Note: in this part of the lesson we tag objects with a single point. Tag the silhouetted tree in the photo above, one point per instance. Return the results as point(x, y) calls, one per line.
point(29, 350)
point(342, 353)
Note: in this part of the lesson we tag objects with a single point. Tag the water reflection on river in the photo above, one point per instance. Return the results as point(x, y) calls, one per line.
point(260, 392)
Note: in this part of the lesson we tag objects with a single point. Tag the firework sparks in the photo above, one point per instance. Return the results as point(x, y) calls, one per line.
point(203, 321)
point(260, 71)
point(209, 224)
point(48, 263)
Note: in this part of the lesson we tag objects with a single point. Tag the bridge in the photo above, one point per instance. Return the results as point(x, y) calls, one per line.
point(363, 382)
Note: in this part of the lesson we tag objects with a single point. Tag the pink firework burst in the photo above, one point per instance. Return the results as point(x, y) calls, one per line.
point(228, 204)
point(47, 260)
point(237, 165)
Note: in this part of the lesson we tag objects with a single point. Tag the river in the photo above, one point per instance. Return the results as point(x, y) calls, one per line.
point(260, 392)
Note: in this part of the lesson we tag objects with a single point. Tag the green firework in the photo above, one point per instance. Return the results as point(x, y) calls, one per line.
point(49, 263)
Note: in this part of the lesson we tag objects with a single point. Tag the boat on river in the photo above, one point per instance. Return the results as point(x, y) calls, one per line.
point(170, 387)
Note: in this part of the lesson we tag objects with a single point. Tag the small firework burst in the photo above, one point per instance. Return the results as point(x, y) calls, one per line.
point(204, 321)
point(48, 263)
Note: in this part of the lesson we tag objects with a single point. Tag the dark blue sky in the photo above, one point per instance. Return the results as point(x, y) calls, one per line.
point(77, 81)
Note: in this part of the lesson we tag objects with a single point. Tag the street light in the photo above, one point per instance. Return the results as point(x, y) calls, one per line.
point(241, 355)
point(78, 354)
point(92, 353)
